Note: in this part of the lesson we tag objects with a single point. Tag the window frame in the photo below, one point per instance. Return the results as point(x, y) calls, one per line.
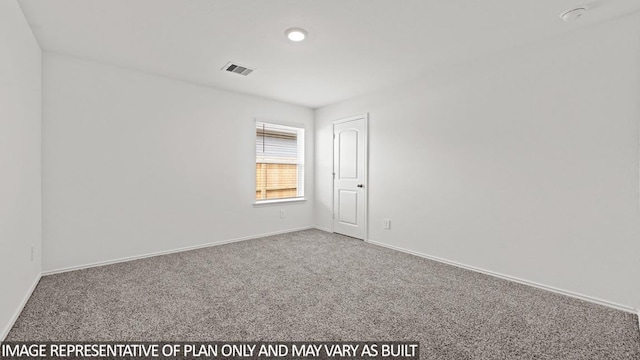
point(302, 162)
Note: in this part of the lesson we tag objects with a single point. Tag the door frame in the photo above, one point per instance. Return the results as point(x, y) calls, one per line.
point(365, 181)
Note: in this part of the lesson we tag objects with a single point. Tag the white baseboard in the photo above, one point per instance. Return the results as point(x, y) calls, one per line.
point(322, 229)
point(515, 279)
point(166, 252)
point(16, 314)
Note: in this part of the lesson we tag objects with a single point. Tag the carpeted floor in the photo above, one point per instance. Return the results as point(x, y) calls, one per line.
point(312, 285)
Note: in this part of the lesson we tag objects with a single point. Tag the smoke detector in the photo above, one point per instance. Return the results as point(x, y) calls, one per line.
point(237, 69)
point(573, 14)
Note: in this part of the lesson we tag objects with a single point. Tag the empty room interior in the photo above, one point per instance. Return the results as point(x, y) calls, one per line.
point(464, 175)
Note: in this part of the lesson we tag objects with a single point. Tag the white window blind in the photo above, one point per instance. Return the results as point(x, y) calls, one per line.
point(279, 162)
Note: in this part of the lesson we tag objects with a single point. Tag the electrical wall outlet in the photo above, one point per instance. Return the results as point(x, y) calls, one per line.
point(281, 214)
point(386, 223)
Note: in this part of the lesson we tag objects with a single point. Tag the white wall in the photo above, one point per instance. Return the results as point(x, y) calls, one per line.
point(20, 164)
point(136, 163)
point(525, 164)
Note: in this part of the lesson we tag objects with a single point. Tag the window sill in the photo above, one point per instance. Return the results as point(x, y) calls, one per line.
point(278, 201)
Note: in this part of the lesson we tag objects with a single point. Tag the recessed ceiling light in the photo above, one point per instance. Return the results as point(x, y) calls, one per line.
point(296, 34)
point(573, 14)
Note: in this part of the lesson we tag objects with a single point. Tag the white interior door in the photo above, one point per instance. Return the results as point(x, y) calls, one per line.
point(350, 176)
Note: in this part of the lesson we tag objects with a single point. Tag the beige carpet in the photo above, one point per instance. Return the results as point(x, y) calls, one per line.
point(312, 285)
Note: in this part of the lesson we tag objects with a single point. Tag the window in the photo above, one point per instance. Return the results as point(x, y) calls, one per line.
point(279, 162)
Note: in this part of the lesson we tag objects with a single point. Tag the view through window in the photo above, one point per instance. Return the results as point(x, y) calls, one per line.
point(279, 162)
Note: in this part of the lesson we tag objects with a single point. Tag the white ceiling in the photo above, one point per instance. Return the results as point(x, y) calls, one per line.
point(354, 46)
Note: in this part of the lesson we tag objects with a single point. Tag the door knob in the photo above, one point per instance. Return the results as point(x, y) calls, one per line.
point(360, 185)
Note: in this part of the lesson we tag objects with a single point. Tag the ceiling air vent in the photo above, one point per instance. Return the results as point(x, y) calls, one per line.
point(238, 69)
